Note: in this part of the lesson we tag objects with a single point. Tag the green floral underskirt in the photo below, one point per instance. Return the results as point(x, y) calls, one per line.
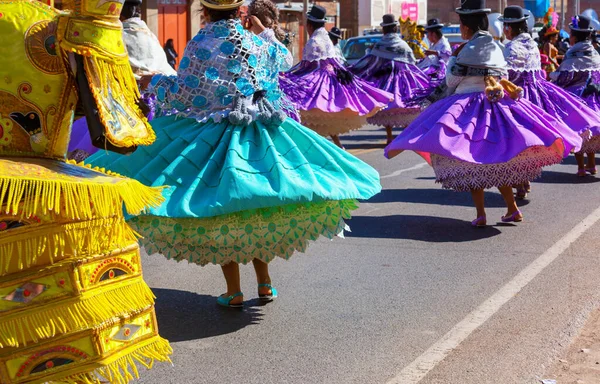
point(240, 237)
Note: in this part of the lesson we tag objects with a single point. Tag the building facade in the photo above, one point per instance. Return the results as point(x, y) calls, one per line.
point(444, 9)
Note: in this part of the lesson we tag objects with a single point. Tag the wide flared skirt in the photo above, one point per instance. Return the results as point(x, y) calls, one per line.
point(477, 140)
point(572, 110)
point(242, 192)
point(406, 82)
point(321, 89)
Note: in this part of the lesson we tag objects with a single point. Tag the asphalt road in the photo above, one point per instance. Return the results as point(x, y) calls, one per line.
point(362, 309)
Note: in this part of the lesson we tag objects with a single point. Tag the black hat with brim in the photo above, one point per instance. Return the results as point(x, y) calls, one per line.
point(471, 7)
point(433, 24)
point(317, 14)
point(513, 14)
point(388, 20)
point(582, 24)
point(335, 32)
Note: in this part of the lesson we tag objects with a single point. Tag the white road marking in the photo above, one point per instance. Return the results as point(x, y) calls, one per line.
point(401, 171)
point(418, 369)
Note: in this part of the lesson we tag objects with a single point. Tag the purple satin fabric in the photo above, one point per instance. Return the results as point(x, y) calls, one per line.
point(469, 127)
point(406, 82)
point(314, 85)
point(564, 105)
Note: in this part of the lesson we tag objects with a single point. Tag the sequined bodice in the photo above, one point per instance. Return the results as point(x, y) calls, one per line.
point(36, 96)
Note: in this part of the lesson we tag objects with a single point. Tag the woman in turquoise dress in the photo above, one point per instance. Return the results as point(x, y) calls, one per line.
point(245, 183)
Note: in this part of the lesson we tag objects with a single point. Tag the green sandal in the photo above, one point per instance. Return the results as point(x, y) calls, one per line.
point(225, 301)
point(267, 297)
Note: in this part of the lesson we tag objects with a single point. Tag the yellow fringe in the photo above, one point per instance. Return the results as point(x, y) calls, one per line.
point(120, 74)
point(45, 244)
point(90, 310)
point(124, 369)
point(76, 200)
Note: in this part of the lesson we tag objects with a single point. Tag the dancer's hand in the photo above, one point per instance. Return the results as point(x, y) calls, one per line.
point(457, 50)
point(429, 52)
point(254, 25)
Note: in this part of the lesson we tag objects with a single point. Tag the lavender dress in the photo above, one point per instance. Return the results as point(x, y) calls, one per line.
point(391, 66)
point(579, 73)
point(331, 101)
point(475, 143)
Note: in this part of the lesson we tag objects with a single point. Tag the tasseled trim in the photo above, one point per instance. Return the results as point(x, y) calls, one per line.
point(91, 309)
point(44, 244)
point(120, 74)
point(124, 369)
point(76, 199)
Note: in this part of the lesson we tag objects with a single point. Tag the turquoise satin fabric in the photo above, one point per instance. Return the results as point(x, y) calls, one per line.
point(219, 168)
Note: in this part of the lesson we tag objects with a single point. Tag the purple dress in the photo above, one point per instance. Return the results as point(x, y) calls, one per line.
point(523, 58)
point(391, 66)
point(474, 143)
point(330, 99)
point(579, 74)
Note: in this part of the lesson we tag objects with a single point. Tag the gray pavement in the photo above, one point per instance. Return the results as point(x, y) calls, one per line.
point(360, 309)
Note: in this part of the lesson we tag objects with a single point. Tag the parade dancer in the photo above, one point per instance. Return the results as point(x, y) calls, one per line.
point(438, 54)
point(579, 73)
point(335, 34)
point(525, 70)
point(331, 100)
point(267, 12)
point(74, 307)
point(246, 183)
point(391, 66)
point(146, 57)
point(478, 137)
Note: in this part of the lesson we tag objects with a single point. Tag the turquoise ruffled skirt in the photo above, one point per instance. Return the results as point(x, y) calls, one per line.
point(242, 192)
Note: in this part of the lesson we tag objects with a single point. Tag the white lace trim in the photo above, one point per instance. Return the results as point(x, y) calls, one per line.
point(464, 176)
point(522, 54)
point(575, 63)
point(319, 47)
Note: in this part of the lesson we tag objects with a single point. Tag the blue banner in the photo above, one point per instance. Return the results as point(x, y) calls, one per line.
point(537, 7)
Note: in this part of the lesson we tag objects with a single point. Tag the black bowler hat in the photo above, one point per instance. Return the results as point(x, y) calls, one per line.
point(513, 14)
point(388, 20)
point(317, 14)
point(133, 2)
point(433, 24)
point(470, 7)
point(335, 32)
point(581, 23)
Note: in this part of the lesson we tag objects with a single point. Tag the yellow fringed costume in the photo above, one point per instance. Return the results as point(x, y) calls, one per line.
point(73, 305)
point(413, 37)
